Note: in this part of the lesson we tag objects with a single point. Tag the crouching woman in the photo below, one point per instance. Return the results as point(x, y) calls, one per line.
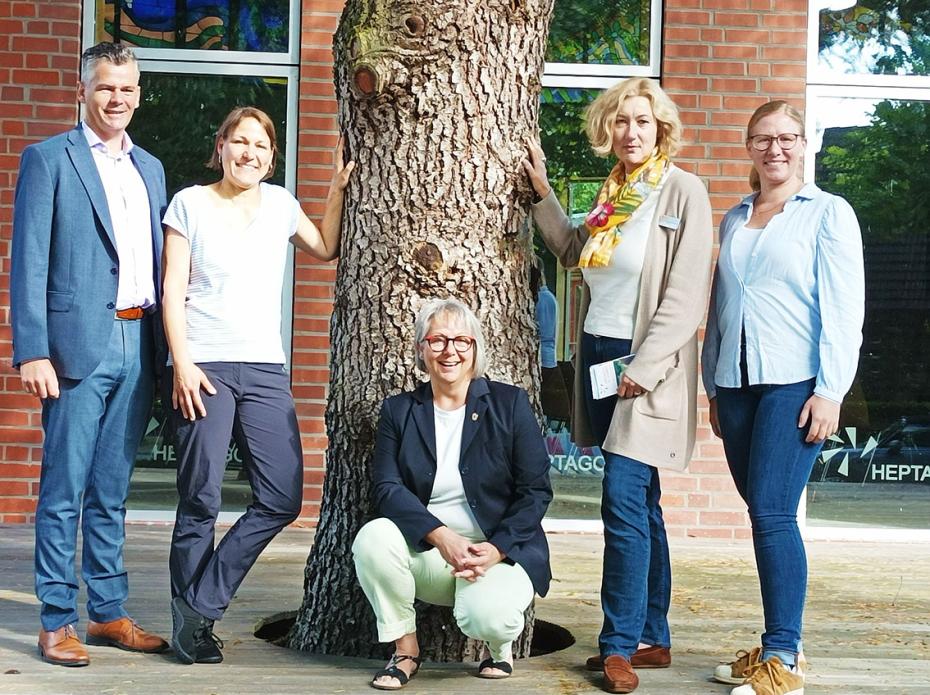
point(461, 483)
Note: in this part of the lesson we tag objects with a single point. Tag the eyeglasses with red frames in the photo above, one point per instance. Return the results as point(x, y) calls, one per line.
point(438, 343)
point(785, 141)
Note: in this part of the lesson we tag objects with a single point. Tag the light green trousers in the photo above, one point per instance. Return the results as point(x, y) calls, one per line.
point(393, 574)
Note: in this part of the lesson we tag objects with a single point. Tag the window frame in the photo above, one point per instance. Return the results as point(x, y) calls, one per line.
point(819, 76)
point(244, 59)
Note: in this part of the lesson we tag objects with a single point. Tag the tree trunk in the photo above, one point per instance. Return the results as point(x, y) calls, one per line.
point(436, 100)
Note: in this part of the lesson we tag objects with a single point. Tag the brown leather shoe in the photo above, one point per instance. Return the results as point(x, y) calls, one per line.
point(618, 675)
point(645, 657)
point(124, 633)
point(62, 647)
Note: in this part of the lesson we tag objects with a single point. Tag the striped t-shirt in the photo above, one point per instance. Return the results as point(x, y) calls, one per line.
point(233, 304)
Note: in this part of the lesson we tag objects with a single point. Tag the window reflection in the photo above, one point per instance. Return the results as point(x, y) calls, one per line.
point(576, 174)
point(599, 33)
point(177, 122)
point(881, 37)
point(199, 103)
point(876, 471)
point(235, 25)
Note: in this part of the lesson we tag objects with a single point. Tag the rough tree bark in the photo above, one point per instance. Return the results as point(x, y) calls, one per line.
point(436, 100)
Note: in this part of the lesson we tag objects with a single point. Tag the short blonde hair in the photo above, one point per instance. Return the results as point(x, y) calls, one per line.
point(456, 310)
point(767, 109)
point(601, 114)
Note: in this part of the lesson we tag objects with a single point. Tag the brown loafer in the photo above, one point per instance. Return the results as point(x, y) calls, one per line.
point(618, 675)
point(62, 647)
point(645, 657)
point(124, 633)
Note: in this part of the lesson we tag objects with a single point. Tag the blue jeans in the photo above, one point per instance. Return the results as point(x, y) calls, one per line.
point(637, 581)
point(92, 433)
point(771, 463)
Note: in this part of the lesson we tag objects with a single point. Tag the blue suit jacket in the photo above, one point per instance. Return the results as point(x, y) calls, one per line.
point(65, 269)
point(504, 466)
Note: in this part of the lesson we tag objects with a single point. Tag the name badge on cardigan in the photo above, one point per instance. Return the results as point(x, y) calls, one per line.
point(669, 222)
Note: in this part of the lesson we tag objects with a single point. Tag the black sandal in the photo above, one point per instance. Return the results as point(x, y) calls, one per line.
point(504, 666)
point(392, 671)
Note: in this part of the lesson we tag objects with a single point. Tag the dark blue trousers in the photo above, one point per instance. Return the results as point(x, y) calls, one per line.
point(253, 403)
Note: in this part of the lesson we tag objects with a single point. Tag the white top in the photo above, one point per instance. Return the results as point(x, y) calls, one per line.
point(130, 216)
point(233, 305)
point(447, 501)
point(615, 287)
point(744, 239)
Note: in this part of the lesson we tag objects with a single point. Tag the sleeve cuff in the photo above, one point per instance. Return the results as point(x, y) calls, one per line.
point(829, 395)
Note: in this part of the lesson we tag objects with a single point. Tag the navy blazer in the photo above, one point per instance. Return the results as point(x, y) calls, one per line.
point(64, 267)
point(504, 466)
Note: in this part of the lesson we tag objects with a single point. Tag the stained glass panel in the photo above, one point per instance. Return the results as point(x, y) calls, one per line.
point(231, 25)
point(599, 33)
point(876, 37)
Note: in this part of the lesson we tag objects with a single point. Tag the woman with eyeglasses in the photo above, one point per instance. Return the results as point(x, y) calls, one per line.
point(461, 483)
point(780, 353)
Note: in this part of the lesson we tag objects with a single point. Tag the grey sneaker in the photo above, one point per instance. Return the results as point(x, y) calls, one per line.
point(187, 629)
point(207, 646)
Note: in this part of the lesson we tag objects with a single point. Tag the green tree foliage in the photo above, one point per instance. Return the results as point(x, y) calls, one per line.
point(882, 169)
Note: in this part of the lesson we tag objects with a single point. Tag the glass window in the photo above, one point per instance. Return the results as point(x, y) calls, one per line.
point(590, 38)
point(600, 33)
point(201, 102)
point(874, 37)
point(576, 174)
point(876, 471)
point(213, 25)
point(199, 59)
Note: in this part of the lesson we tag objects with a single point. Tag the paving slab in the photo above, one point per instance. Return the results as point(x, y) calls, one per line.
point(867, 627)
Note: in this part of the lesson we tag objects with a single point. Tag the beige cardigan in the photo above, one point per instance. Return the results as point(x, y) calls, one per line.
point(658, 427)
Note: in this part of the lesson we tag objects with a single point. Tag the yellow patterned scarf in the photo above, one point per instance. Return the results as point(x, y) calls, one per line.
point(617, 201)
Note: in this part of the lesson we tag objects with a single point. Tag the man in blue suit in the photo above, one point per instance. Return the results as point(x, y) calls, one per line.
point(84, 281)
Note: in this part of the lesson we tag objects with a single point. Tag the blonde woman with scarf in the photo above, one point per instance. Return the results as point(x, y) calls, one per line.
point(645, 253)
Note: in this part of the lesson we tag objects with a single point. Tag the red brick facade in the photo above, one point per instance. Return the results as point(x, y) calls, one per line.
point(721, 58)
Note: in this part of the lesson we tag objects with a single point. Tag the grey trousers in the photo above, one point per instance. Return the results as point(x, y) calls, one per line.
point(253, 403)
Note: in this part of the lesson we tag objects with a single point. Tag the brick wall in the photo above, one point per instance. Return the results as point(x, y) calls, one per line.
point(721, 59)
point(313, 289)
point(38, 71)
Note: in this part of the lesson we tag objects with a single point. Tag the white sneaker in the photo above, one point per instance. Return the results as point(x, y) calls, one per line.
point(734, 672)
point(771, 677)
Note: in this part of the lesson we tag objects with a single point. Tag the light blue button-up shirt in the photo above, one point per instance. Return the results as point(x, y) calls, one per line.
point(801, 302)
